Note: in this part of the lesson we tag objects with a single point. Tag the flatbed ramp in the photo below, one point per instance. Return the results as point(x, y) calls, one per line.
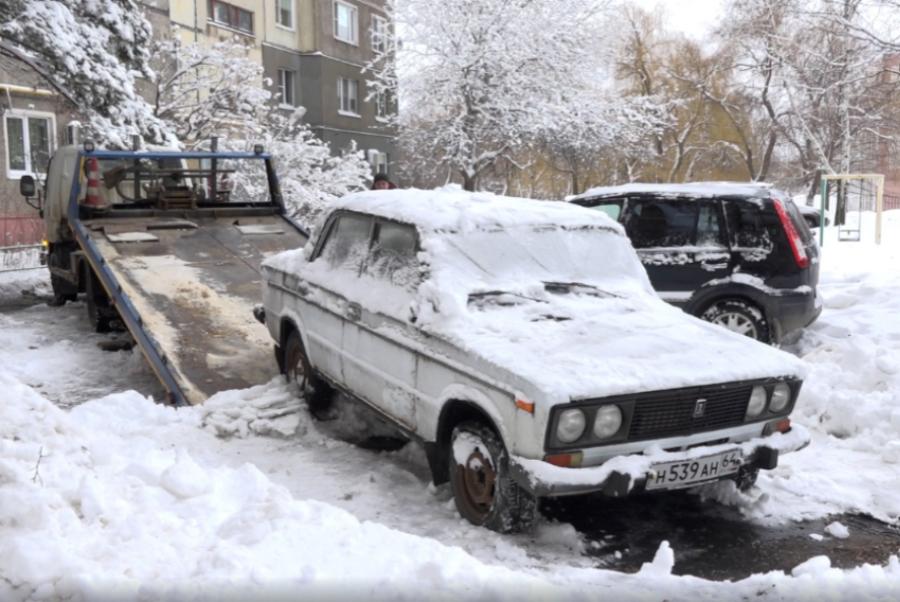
point(191, 283)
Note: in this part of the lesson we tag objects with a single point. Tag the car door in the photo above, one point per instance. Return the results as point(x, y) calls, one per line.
point(681, 242)
point(324, 305)
point(379, 361)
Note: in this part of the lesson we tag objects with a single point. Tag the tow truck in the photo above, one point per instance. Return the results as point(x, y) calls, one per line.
point(167, 245)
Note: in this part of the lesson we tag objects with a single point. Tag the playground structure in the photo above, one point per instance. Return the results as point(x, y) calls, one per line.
point(853, 194)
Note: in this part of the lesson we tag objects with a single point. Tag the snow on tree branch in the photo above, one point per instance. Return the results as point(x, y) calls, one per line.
point(92, 52)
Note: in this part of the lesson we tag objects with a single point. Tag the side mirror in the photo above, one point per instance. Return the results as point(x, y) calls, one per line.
point(26, 187)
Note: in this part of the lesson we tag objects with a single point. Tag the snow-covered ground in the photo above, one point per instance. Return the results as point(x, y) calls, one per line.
point(121, 498)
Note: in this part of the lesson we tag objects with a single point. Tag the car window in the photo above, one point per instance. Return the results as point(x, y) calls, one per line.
point(611, 208)
point(751, 228)
point(661, 223)
point(347, 243)
point(393, 256)
point(710, 232)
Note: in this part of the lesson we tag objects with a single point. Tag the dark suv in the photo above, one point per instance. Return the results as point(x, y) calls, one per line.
point(739, 255)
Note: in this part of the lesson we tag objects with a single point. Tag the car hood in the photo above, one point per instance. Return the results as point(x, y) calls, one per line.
point(577, 347)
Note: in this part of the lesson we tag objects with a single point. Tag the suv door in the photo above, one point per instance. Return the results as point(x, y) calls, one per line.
point(682, 243)
point(379, 363)
point(325, 313)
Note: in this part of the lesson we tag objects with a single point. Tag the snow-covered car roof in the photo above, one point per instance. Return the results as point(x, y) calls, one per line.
point(453, 209)
point(691, 190)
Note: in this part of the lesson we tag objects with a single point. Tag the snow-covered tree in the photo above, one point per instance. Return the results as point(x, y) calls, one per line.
point(479, 82)
point(91, 53)
point(203, 91)
point(218, 90)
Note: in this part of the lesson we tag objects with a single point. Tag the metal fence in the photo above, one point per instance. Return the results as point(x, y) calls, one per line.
point(20, 242)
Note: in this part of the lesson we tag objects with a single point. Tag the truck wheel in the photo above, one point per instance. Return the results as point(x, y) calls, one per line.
point(296, 367)
point(740, 317)
point(98, 307)
point(483, 490)
point(63, 290)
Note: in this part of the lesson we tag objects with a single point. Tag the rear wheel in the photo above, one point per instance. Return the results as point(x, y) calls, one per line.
point(296, 367)
point(483, 490)
point(100, 312)
point(739, 316)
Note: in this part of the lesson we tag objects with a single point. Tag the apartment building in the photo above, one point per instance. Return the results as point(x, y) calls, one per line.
point(313, 51)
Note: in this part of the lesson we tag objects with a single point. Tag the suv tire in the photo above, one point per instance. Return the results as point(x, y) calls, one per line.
point(739, 316)
point(482, 487)
point(318, 395)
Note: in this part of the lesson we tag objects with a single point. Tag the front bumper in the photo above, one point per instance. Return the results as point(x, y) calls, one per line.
point(627, 474)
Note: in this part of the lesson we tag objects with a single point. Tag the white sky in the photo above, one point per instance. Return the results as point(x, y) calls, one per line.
point(693, 17)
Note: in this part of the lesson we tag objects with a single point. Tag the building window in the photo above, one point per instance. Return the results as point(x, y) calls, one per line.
point(29, 142)
point(231, 16)
point(346, 27)
point(379, 34)
point(286, 87)
point(381, 105)
point(73, 133)
point(379, 161)
point(348, 91)
point(284, 13)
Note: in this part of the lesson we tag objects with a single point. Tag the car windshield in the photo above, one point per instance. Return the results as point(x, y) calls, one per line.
point(563, 260)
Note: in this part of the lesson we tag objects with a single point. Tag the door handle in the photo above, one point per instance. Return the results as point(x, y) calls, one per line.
point(354, 311)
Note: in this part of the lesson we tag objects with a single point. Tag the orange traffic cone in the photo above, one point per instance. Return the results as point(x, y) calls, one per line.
point(92, 196)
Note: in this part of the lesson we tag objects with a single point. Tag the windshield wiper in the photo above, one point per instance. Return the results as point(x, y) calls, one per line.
point(485, 294)
point(578, 288)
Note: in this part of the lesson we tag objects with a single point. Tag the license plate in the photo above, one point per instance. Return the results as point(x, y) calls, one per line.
point(684, 473)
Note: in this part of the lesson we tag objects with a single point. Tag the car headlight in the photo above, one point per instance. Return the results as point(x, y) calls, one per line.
point(757, 403)
point(781, 395)
point(608, 421)
point(570, 425)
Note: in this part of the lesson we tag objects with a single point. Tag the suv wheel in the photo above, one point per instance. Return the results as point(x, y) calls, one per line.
point(740, 317)
point(483, 490)
point(298, 370)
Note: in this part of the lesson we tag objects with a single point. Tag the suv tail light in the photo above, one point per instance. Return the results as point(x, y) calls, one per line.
point(793, 236)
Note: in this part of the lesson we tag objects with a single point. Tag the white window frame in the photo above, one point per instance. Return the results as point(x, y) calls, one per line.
point(348, 112)
point(282, 87)
point(378, 160)
point(354, 23)
point(288, 26)
point(379, 29)
point(23, 114)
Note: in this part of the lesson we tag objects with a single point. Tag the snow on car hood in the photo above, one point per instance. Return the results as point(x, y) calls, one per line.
point(580, 346)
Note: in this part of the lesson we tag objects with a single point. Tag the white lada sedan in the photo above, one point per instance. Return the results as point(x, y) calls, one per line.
point(521, 343)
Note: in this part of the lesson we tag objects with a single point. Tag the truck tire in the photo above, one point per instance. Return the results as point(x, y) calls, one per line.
point(100, 312)
point(318, 395)
point(483, 490)
point(63, 290)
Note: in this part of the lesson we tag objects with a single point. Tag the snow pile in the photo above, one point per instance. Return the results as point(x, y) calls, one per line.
point(259, 410)
point(850, 399)
point(91, 505)
point(16, 285)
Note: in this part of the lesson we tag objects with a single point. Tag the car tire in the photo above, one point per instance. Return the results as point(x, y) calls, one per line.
point(483, 490)
point(739, 316)
point(296, 368)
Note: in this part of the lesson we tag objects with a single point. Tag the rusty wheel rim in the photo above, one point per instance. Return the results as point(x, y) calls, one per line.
point(478, 481)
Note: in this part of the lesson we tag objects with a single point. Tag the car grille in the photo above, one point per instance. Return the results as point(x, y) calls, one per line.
point(669, 413)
